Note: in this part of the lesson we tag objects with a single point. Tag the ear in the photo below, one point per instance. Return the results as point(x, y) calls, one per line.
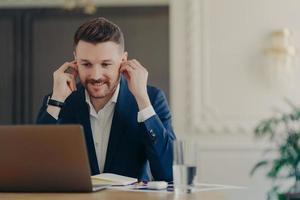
point(75, 59)
point(125, 56)
point(74, 54)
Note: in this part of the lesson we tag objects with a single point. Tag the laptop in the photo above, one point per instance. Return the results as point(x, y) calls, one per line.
point(44, 158)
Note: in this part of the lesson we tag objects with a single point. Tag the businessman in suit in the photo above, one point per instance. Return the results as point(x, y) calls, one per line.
point(127, 123)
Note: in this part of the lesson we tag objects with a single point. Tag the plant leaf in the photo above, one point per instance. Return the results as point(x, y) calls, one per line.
point(278, 164)
point(258, 165)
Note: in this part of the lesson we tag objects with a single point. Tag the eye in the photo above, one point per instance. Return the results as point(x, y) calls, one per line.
point(87, 64)
point(106, 64)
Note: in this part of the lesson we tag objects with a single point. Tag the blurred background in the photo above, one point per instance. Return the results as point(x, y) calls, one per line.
point(224, 66)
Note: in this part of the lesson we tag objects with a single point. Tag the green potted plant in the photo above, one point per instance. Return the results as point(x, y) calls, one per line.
point(283, 132)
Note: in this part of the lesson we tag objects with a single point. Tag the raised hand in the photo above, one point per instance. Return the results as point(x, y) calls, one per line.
point(64, 82)
point(137, 77)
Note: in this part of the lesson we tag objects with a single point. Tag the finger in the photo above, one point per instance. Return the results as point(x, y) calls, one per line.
point(71, 84)
point(126, 71)
point(71, 81)
point(66, 65)
point(71, 71)
point(75, 74)
point(68, 76)
point(126, 68)
point(137, 63)
point(68, 82)
point(128, 63)
point(74, 83)
point(131, 64)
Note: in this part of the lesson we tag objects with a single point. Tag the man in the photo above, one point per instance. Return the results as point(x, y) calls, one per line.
point(126, 123)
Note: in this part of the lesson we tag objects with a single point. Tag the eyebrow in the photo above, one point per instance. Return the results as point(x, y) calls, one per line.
point(106, 60)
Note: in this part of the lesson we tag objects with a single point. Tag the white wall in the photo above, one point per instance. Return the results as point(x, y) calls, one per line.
point(219, 90)
point(217, 62)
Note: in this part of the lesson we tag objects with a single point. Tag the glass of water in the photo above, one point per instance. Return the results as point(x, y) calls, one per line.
point(184, 165)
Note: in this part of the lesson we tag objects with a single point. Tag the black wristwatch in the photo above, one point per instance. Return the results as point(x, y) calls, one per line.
point(53, 102)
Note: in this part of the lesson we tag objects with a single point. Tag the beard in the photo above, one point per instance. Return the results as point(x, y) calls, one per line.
point(100, 88)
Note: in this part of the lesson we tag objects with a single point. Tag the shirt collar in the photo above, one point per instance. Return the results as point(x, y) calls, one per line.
point(113, 99)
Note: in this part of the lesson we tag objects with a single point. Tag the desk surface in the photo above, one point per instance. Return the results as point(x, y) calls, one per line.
point(119, 195)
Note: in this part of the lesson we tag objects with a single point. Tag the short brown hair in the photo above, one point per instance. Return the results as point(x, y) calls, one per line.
point(99, 30)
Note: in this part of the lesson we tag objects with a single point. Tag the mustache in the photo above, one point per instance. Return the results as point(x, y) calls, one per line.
point(93, 81)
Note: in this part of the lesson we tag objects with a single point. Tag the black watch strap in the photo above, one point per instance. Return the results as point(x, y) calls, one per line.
point(53, 102)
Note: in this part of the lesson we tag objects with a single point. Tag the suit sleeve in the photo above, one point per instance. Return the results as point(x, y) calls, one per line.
point(159, 139)
point(64, 116)
point(43, 116)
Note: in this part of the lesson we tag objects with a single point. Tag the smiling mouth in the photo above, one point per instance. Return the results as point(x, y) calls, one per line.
point(97, 84)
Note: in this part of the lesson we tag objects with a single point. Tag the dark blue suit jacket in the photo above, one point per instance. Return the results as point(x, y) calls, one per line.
point(131, 144)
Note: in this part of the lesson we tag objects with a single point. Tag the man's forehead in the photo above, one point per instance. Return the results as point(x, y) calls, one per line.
point(99, 51)
point(107, 46)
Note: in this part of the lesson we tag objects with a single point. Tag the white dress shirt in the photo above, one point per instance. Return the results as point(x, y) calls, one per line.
point(101, 124)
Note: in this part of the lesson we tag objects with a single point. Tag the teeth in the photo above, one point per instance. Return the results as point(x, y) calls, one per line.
point(97, 84)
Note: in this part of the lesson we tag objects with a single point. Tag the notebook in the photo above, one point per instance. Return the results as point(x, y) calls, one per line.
point(113, 179)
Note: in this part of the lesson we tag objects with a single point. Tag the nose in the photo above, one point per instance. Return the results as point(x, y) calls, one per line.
point(97, 72)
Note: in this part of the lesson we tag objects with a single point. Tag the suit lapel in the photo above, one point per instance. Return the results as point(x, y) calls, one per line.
point(118, 126)
point(83, 117)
